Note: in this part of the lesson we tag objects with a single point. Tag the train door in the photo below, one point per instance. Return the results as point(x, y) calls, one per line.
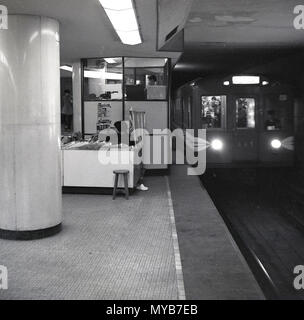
point(277, 124)
point(245, 136)
point(187, 112)
point(184, 114)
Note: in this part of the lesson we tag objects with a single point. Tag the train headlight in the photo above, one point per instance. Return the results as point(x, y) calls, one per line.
point(217, 145)
point(276, 144)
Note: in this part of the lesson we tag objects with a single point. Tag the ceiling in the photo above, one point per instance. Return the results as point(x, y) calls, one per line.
point(223, 36)
point(86, 30)
point(259, 22)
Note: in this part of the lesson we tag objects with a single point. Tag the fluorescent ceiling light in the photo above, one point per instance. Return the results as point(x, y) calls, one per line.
point(67, 68)
point(110, 60)
point(233, 19)
point(117, 4)
point(131, 37)
point(246, 80)
point(99, 74)
point(92, 74)
point(123, 18)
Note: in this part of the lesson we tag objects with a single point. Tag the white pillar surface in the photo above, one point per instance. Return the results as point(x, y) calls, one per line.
point(30, 156)
point(77, 114)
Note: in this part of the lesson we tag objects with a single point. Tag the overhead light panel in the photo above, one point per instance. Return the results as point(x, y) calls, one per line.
point(232, 19)
point(246, 80)
point(110, 60)
point(123, 18)
point(67, 68)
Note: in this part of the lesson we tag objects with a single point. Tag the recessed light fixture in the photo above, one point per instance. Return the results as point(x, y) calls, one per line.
point(196, 20)
point(246, 80)
point(233, 19)
point(67, 68)
point(110, 60)
point(226, 83)
point(123, 18)
point(265, 83)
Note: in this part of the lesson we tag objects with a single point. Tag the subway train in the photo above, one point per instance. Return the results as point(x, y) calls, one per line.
point(249, 120)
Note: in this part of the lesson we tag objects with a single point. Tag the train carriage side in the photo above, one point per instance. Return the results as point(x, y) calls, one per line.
point(247, 125)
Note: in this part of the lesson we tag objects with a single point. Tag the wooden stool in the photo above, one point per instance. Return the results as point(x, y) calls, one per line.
point(125, 174)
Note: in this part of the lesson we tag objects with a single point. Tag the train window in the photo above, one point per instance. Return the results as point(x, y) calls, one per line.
point(245, 113)
point(213, 110)
point(278, 114)
point(272, 122)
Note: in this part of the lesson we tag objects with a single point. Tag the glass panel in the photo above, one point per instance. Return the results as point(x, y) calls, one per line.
point(279, 113)
point(146, 79)
point(103, 79)
point(66, 86)
point(213, 109)
point(245, 113)
point(130, 76)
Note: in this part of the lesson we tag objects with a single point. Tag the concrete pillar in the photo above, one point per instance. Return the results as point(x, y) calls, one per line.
point(77, 104)
point(30, 156)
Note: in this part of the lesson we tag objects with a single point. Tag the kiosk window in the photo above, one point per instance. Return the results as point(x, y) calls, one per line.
point(103, 79)
point(245, 113)
point(146, 79)
point(213, 110)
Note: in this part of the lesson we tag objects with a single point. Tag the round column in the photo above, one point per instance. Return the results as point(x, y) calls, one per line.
point(30, 156)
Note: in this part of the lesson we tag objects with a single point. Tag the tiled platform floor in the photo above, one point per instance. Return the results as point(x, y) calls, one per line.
point(107, 250)
point(124, 249)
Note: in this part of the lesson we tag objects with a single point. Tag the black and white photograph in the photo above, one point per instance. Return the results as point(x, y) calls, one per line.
point(152, 153)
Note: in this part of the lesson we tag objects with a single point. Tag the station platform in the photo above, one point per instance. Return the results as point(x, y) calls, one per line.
point(125, 250)
point(213, 266)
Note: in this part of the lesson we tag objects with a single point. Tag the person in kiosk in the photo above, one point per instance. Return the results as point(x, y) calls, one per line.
point(124, 131)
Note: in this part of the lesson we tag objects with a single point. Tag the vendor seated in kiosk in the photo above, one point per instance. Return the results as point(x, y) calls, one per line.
point(124, 131)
